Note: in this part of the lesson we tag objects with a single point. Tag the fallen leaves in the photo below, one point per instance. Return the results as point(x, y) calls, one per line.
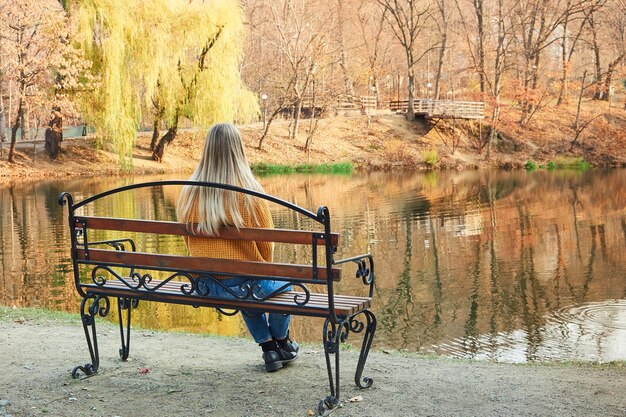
point(356, 399)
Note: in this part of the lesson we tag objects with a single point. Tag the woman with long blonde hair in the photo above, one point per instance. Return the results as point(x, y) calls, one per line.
point(209, 209)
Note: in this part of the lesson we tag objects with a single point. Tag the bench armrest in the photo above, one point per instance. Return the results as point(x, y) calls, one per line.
point(365, 269)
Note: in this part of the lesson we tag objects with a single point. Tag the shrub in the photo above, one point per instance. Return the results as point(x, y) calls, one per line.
point(530, 166)
point(571, 163)
point(431, 157)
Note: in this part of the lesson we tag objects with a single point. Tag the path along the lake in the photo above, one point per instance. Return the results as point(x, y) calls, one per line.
point(191, 375)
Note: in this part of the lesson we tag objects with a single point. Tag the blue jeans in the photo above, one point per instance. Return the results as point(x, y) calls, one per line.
point(262, 326)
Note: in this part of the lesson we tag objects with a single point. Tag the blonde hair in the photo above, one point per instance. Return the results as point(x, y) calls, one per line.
point(223, 161)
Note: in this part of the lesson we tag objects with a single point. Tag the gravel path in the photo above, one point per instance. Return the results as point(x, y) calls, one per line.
point(191, 375)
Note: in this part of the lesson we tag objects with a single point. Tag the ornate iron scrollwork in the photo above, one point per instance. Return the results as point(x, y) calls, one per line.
point(88, 317)
point(227, 313)
point(100, 280)
point(251, 290)
point(96, 309)
point(363, 271)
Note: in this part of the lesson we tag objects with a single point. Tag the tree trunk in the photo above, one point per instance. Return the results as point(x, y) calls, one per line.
point(296, 119)
point(563, 87)
point(410, 111)
point(342, 54)
point(442, 53)
point(597, 63)
point(478, 8)
point(442, 50)
point(312, 122)
point(14, 128)
point(608, 79)
point(155, 133)
point(580, 99)
point(54, 135)
point(564, 61)
point(3, 132)
point(169, 136)
point(493, 134)
point(25, 121)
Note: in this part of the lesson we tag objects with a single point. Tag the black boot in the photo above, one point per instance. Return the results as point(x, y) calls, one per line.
point(289, 347)
point(274, 356)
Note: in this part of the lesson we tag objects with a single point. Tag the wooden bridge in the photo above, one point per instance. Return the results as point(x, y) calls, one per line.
point(442, 109)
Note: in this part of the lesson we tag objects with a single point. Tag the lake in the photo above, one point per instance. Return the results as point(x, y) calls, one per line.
point(504, 266)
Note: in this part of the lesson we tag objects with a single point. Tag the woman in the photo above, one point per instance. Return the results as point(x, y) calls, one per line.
point(224, 161)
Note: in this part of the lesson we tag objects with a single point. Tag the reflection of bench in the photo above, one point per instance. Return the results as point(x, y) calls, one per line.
point(108, 264)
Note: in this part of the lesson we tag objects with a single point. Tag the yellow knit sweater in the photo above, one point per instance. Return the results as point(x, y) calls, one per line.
point(245, 250)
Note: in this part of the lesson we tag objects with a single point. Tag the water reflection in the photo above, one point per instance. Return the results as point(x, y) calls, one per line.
point(499, 265)
point(584, 332)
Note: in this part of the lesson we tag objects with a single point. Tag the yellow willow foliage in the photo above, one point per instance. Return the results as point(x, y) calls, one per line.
point(146, 50)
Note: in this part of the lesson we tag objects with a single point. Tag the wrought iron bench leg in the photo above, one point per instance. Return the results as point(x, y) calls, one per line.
point(370, 328)
point(88, 318)
point(332, 336)
point(125, 304)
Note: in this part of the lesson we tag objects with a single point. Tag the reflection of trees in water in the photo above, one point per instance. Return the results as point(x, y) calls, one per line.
point(32, 271)
point(552, 241)
point(397, 315)
point(575, 219)
point(471, 332)
point(162, 208)
point(406, 321)
point(532, 295)
point(588, 272)
point(495, 290)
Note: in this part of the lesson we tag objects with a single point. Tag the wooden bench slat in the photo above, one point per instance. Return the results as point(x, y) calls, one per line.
point(282, 302)
point(212, 265)
point(315, 298)
point(342, 300)
point(174, 228)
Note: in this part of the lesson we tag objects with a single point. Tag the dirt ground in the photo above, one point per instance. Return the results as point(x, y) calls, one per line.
point(385, 141)
point(193, 375)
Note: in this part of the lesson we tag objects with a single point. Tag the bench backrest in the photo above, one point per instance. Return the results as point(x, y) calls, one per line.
point(123, 253)
point(87, 253)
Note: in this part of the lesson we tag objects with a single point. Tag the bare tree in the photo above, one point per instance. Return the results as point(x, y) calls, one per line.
point(536, 22)
point(442, 24)
point(408, 19)
point(475, 41)
point(503, 41)
point(3, 134)
point(372, 25)
point(300, 44)
point(348, 85)
point(490, 68)
point(614, 23)
point(569, 41)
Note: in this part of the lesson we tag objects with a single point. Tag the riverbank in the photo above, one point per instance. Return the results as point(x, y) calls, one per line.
point(192, 375)
point(386, 141)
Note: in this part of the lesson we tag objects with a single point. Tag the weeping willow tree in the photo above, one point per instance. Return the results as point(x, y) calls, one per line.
point(182, 54)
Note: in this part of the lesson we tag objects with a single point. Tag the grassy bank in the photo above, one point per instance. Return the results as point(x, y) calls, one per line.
point(39, 315)
point(578, 164)
point(265, 168)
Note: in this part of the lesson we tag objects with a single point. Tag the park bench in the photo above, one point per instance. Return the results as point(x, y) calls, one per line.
point(108, 264)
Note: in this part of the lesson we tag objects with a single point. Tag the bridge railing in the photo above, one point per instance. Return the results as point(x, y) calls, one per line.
point(442, 108)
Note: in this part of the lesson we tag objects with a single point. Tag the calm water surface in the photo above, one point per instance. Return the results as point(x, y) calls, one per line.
point(506, 266)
